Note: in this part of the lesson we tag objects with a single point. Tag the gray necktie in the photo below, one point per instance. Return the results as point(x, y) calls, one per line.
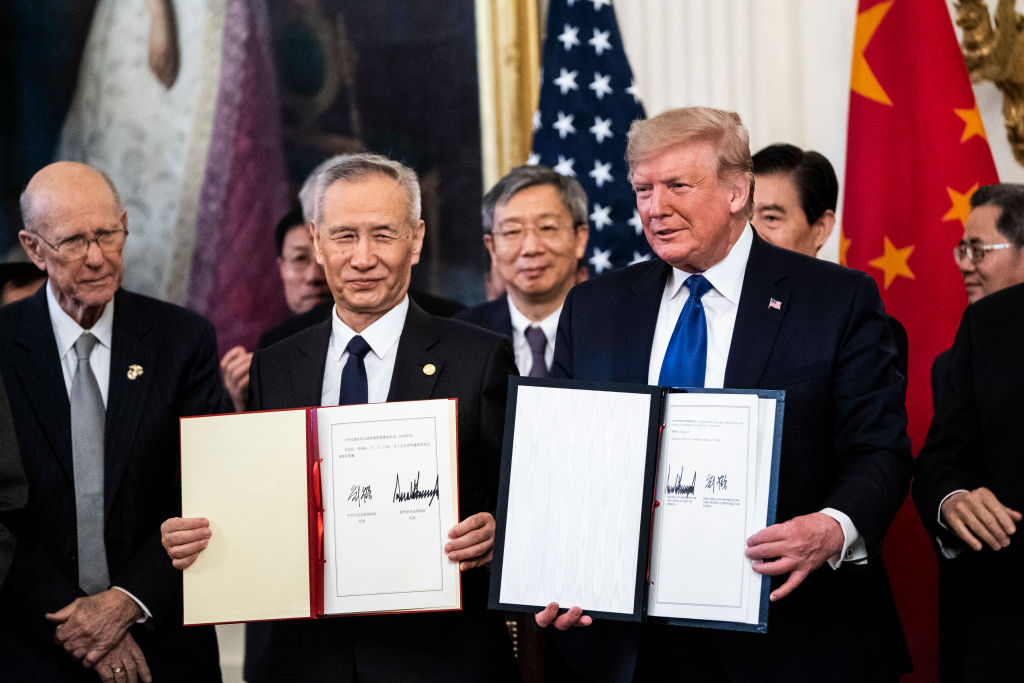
point(538, 342)
point(87, 417)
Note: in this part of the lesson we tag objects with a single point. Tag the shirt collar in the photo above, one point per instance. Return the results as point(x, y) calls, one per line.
point(520, 322)
point(66, 330)
point(726, 276)
point(381, 335)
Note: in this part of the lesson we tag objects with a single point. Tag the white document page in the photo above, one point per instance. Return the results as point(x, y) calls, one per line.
point(712, 489)
point(390, 495)
point(575, 499)
point(247, 474)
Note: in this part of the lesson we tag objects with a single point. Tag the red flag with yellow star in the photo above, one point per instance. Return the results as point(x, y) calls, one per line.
point(916, 151)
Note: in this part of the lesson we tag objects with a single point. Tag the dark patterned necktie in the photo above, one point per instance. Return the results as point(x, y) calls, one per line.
point(538, 343)
point(353, 376)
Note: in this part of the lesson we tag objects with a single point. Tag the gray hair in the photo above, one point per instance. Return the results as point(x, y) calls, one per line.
point(30, 217)
point(307, 193)
point(1009, 198)
point(573, 197)
point(354, 167)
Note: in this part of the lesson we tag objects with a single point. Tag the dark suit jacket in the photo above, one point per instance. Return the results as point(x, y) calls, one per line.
point(13, 488)
point(940, 368)
point(976, 439)
point(177, 351)
point(844, 441)
point(491, 315)
point(473, 366)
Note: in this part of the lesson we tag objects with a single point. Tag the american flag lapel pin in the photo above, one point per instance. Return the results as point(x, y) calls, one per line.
point(774, 303)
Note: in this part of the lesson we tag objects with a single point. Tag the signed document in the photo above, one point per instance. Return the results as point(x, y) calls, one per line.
point(389, 483)
point(715, 449)
point(635, 502)
point(322, 511)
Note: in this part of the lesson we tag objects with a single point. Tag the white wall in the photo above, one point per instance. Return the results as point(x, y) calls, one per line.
point(783, 65)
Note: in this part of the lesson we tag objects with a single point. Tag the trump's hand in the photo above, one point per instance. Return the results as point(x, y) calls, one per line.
point(977, 516)
point(573, 618)
point(124, 663)
point(235, 368)
point(184, 538)
point(89, 627)
point(798, 547)
point(472, 541)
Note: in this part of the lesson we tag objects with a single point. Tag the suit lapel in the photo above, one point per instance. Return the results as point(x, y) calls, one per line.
point(757, 319)
point(42, 379)
point(412, 379)
point(639, 317)
point(308, 369)
point(131, 345)
point(503, 318)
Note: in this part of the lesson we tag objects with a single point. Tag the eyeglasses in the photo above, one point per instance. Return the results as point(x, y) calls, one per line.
point(515, 236)
point(77, 246)
point(975, 250)
point(298, 261)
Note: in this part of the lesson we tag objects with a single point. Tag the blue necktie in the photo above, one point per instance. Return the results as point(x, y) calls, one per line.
point(353, 376)
point(686, 358)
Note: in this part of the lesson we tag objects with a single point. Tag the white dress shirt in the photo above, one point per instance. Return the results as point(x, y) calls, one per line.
point(721, 303)
point(549, 326)
point(66, 332)
point(382, 336)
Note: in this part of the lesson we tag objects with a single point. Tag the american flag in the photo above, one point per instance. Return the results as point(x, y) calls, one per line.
point(587, 101)
point(775, 303)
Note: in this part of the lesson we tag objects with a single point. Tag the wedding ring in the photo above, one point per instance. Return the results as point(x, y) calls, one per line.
point(116, 670)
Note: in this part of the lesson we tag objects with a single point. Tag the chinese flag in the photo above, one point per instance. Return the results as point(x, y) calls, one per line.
point(916, 151)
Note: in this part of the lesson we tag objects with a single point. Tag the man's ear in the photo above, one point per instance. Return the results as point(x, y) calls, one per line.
point(318, 253)
point(418, 231)
point(582, 234)
point(33, 246)
point(740, 190)
point(822, 228)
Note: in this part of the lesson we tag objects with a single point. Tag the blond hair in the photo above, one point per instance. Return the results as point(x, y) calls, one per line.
point(723, 129)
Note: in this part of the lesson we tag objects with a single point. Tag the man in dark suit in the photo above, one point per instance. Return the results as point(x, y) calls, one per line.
point(368, 234)
point(969, 491)
point(97, 378)
point(758, 317)
point(535, 230)
point(991, 254)
point(13, 489)
point(795, 194)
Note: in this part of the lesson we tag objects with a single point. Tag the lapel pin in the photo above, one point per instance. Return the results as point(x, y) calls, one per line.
point(775, 303)
point(429, 369)
point(134, 371)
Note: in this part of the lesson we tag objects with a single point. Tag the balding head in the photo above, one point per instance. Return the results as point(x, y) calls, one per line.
point(74, 230)
point(60, 178)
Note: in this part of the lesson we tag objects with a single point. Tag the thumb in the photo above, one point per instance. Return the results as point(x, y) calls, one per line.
point(60, 615)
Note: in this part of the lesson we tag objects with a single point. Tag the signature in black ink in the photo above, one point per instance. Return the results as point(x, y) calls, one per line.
point(677, 485)
point(414, 492)
point(360, 494)
point(721, 482)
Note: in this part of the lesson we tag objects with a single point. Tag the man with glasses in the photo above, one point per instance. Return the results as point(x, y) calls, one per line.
point(967, 484)
point(535, 230)
point(989, 256)
point(97, 378)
